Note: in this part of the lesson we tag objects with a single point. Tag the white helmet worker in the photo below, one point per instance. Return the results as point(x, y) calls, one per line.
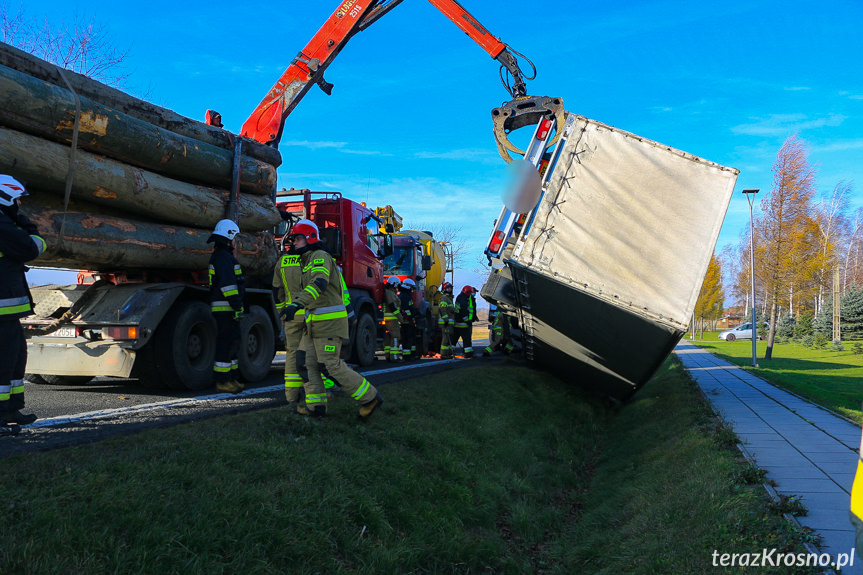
point(409, 284)
point(10, 190)
point(227, 229)
point(393, 281)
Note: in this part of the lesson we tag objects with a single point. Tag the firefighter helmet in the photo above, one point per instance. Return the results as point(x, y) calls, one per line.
point(306, 228)
point(409, 284)
point(468, 290)
point(446, 286)
point(393, 281)
point(227, 229)
point(10, 190)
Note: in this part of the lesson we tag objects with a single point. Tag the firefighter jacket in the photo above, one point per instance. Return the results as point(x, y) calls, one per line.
point(20, 242)
point(322, 295)
point(227, 284)
point(288, 281)
point(465, 310)
point(392, 304)
point(409, 311)
point(446, 309)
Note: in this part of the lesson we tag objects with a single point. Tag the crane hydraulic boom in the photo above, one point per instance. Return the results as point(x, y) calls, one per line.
point(307, 69)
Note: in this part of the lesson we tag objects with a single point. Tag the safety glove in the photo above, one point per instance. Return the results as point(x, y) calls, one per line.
point(289, 311)
point(238, 315)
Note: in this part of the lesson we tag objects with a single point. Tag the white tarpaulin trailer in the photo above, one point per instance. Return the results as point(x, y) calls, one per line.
point(605, 272)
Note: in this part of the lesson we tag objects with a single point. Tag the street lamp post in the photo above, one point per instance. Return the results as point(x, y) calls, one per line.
point(750, 197)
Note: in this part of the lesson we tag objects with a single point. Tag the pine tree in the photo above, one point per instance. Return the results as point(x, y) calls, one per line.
point(852, 314)
point(785, 329)
point(804, 326)
point(823, 324)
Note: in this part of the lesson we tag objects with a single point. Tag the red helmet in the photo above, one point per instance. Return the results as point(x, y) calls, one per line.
point(468, 290)
point(446, 286)
point(306, 228)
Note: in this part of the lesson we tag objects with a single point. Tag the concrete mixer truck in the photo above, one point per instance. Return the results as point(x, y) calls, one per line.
point(418, 256)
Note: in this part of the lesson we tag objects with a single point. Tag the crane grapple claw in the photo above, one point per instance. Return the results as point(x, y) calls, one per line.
point(523, 112)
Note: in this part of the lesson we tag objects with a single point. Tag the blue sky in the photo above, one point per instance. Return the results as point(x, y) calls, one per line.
point(409, 124)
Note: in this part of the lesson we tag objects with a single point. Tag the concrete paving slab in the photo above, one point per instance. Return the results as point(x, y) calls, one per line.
point(809, 452)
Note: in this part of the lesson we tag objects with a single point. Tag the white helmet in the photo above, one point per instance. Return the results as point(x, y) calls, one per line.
point(10, 190)
point(226, 229)
point(393, 281)
point(409, 284)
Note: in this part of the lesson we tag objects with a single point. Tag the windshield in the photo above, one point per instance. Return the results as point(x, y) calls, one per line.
point(400, 262)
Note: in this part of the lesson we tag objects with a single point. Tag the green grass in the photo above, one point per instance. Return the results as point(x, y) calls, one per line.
point(487, 470)
point(833, 379)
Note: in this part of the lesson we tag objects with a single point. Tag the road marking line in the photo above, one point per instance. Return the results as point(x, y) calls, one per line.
point(108, 413)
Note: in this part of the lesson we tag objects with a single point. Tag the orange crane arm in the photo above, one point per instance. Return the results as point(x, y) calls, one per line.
point(268, 120)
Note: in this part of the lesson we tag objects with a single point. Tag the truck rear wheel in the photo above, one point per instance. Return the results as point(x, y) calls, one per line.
point(257, 345)
point(365, 341)
point(184, 347)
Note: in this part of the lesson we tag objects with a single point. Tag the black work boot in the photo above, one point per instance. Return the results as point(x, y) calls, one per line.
point(16, 416)
point(8, 430)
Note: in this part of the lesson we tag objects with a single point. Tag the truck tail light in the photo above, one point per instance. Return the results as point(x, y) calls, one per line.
point(544, 129)
point(496, 241)
point(123, 332)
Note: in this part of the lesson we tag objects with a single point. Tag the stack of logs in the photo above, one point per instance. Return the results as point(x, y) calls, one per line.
point(147, 185)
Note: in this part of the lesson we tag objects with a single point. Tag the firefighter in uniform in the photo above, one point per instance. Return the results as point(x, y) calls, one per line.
point(500, 335)
point(392, 324)
point(322, 298)
point(446, 309)
point(20, 242)
point(287, 283)
point(227, 293)
point(408, 319)
point(465, 315)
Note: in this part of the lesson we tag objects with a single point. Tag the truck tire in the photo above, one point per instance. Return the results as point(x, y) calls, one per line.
point(365, 341)
point(63, 379)
point(34, 378)
point(185, 345)
point(257, 345)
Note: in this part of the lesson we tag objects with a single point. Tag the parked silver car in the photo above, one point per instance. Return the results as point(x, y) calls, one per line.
point(743, 331)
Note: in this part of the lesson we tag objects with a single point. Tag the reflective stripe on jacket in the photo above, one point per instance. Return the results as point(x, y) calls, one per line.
point(288, 281)
point(20, 243)
point(227, 284)
point(322, 295)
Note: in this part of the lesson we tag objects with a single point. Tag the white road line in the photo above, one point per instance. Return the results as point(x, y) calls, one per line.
point(108, 413)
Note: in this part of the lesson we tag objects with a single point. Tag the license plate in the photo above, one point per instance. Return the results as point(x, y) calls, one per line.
point(66, 331)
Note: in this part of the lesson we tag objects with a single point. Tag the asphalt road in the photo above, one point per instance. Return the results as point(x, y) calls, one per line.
point(107, 407)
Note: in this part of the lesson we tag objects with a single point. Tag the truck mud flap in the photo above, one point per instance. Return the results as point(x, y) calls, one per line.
point(591, 342)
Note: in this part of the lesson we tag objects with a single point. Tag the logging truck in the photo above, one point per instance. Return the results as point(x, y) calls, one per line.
point(130, 192)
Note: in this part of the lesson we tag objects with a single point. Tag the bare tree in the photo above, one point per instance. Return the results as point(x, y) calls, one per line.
point(82, 47)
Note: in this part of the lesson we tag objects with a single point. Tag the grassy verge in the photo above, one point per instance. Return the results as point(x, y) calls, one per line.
point(827, 377)
point(480, 470)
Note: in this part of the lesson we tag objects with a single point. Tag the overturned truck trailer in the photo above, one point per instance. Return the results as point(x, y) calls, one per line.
point(603, 274)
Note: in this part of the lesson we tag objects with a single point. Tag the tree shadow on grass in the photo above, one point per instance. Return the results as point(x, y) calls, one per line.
point(790, 364)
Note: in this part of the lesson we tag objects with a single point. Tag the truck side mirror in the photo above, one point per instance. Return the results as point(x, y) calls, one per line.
point(389, 228)
point(386, 246)
point(427, 263)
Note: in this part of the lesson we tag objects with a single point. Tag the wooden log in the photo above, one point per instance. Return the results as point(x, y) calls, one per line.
point(48, 111)
point(126, 189)
point(108, 244)
point(113, 98)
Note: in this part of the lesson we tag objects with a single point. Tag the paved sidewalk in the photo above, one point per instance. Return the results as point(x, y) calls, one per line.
point(808, 451)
